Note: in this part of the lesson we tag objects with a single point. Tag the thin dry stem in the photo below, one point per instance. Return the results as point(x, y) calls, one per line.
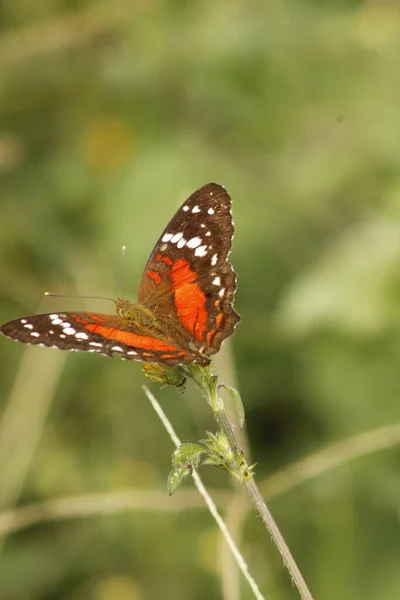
point(209, 501)
point(281, 482)
point(225, 367)
point(90, 505)
point(236, 511)
point(262, 509)
point(238, 504)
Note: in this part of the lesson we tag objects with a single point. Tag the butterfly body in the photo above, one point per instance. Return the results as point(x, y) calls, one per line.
point(184, 309)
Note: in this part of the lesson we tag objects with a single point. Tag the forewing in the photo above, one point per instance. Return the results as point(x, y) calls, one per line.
point(187, 281)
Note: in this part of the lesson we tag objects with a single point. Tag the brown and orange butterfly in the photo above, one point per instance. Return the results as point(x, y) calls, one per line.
point(184, 309)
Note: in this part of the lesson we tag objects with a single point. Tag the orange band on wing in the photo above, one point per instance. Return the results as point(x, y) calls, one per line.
point(165, 259)
point(92, 316)
point(218, 320)
point(210, 335)
point(190, 300)
point(155, 276)
point(133, 340)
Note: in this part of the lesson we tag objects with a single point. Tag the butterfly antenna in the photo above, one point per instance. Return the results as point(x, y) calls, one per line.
point(79, 297)
point(121, 272)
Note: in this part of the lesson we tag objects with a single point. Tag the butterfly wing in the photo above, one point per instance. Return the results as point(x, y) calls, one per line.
point(188, 286)
point(188, 282)
point(95, 332)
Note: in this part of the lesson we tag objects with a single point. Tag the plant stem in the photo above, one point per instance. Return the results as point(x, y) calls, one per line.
point(209, 501)
point(277, 538)
point(207, 384)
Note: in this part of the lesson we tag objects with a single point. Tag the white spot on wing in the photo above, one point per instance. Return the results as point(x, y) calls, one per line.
point(202, 225)
point(56, 320)
point(23, 321)
point(66, 325)
point(81, 335)
point(185, 208)
point(211, 211)
point(28, 326)
point(133, 352)
point(62, 335)
point(117, 348)
point(181, 243)
point(221, 292)
point(217, 281)
point(166, 237)
point(35, 334)
point(194, 242)
point(96, 344)
point(176, 237)
point(69, 331)
point(163, 247)
point(53, 316)
point(208, 233)
point(195, 209)
point(214, 260)
point(201, 251)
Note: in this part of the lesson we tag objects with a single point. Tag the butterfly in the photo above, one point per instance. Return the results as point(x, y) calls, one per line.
point(185, 301)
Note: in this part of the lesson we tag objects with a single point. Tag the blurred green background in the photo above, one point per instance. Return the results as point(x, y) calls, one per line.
point(111, 113)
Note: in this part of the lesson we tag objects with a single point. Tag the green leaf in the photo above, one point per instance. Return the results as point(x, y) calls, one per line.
point(237, 402)
point(187, 454)
point(176, 477)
